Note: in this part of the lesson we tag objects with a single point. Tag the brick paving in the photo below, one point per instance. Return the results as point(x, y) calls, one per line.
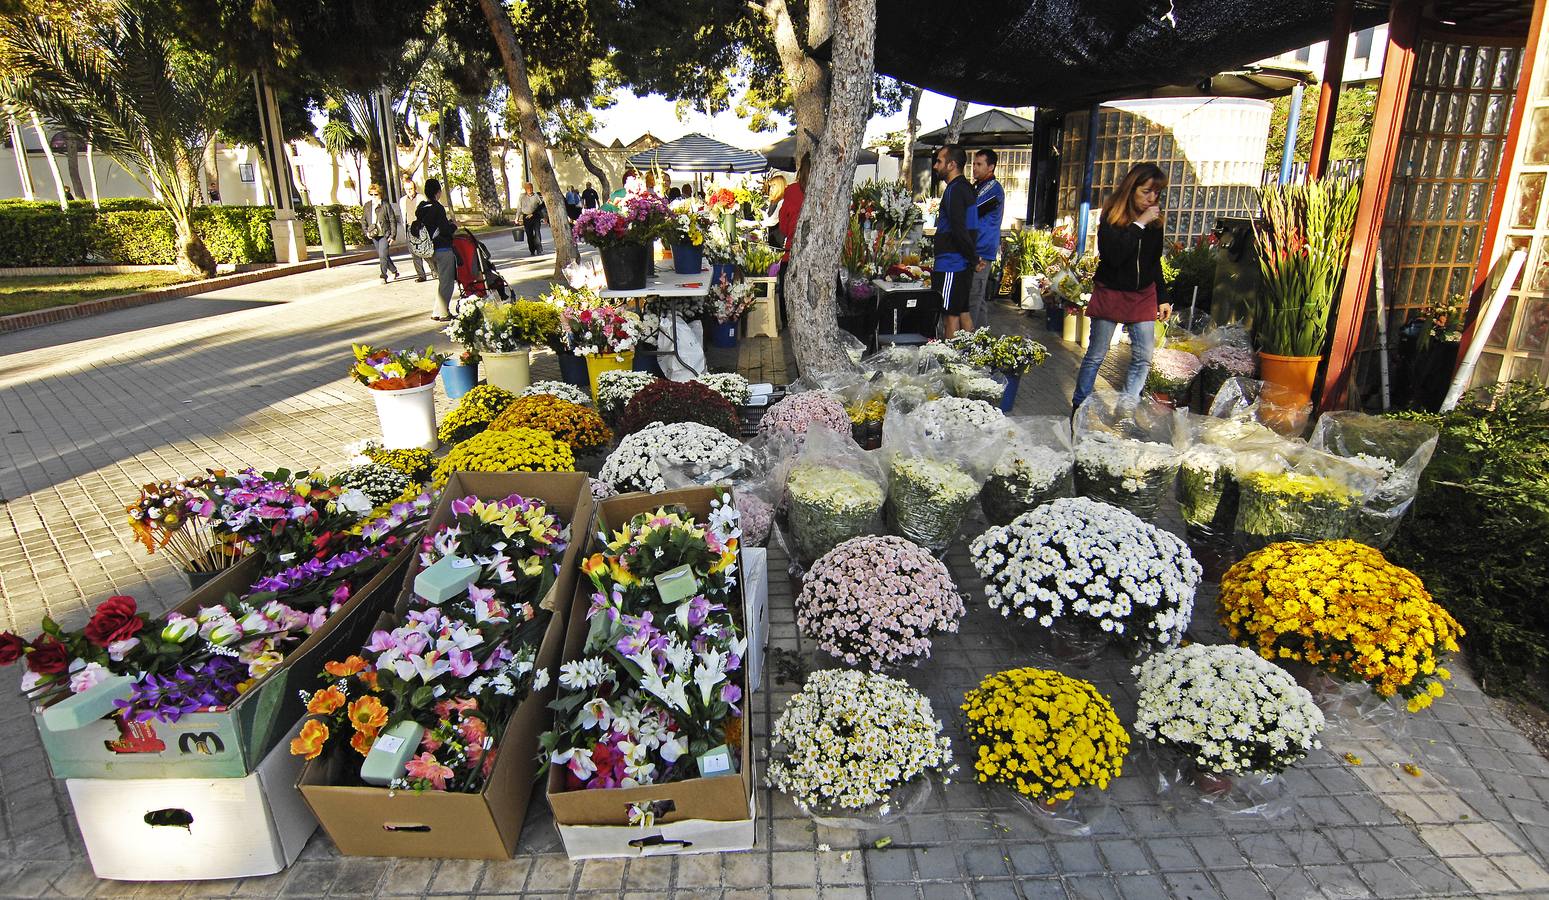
point(255, 375)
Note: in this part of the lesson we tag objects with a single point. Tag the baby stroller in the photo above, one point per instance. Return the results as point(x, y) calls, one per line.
point(476, 275)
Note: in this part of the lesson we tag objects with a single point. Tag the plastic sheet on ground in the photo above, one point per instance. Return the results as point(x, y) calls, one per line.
point(1076, 817)
point(910, 798)
point(1397, 450)
point(1180, 785)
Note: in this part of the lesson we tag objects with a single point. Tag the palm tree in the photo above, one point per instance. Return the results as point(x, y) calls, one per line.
point(342, 137)
point(132, 90)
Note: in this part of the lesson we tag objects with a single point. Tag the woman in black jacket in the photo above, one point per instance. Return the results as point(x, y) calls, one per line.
point(431, 216)
point(1129, 287)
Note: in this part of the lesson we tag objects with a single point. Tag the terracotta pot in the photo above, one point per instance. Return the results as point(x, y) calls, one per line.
point(1288, 382)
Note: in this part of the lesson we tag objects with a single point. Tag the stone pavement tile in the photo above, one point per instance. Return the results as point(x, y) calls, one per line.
point(1077, 857)
point(457, 876)
point(746, 894)
point(1124, 856)
point(409, 877)
point(1193, 886)
point(1339, 882)
point(1142, 887)
point(1400, 841)
point(844, 893)
point(1432, 875)
point(745, 870)
point(1481, 874)
point(791, 894)
point(795, 834)
point(1241, 884)
point(937, 863)
point(261, 886)
point(648, 873)
point(1217, 852)
point(1386, 878)
point(360, 877)
point(606, 875)
point(312, 878)
point(835, 869)
point(505, 876)
point(986, 860)
point(698, 871)
point(1309, 847)
point(892, 864)
point(1447, 840)
point(1521, 868)
point(1091, 887)
point(1359, 845)
point(1172, 854)
point(77, 880)
point(1287, 883)
point(1488, 837)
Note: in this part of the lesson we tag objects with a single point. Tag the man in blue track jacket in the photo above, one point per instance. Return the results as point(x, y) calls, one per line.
point(957, 239)
point(991, 206)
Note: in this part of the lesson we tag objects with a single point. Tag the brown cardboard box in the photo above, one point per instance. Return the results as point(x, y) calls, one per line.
point(373, 821)
point(722, 798)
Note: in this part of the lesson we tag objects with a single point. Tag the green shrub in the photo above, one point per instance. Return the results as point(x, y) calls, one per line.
point(133, 238)
point(1479, 533)
point(40, 234)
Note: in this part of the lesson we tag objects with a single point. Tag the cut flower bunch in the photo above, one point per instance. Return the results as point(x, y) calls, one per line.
point(1341, 607)
point(382, 369)
point(849, 739)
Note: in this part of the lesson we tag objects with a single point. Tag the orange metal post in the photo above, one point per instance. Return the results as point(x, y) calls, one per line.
point(1328, 92)
point(1387, 126)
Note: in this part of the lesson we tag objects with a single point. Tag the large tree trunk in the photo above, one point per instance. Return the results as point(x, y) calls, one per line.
point(537, 151)
point(505, 175)
point(825, 213)
point(808, 78)
point(485, 190)
point(73, 168)
point(415, 159)
point(955, 125)
point(585, 154)
point(910, 134)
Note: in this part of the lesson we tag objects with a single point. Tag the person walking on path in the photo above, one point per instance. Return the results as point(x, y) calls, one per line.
point(573, 203)
point(380, 221)
point(411, 203)
point(589, 197)
point(957, 239)
point(532, 222)
point(990, 205)
point(1129, 289)
point(431, 216)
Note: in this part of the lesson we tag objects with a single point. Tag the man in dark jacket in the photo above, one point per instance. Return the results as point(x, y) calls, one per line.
point(991, 206)
point(957, 237)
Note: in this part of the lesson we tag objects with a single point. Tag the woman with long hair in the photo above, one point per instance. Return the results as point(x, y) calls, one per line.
point(1129, 288)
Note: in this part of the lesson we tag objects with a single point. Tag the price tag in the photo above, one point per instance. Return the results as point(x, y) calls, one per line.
point(715, 762)
point(911, 302)
point(387, 743)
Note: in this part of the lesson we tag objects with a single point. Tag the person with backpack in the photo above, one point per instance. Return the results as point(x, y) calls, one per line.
point(431, 237)
point(411, 202)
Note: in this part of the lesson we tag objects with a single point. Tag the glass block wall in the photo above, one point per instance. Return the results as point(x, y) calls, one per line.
point(1455, 119)
point(1212, 149)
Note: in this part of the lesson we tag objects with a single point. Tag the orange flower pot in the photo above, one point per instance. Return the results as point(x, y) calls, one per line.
point(1288, 382)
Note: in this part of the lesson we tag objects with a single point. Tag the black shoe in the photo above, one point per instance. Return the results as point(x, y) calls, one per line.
point(420, 278)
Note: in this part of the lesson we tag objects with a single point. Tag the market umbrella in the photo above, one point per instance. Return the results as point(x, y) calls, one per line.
point(782, 155)
point(991, 128)
point(697, 153)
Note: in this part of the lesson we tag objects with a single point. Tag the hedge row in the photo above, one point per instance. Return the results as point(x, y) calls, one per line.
point(131, 231)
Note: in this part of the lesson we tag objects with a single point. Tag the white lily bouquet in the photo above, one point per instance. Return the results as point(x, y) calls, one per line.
point(1087, 569)
point(635, 464)
point(1131, 474)
point(1226, 709)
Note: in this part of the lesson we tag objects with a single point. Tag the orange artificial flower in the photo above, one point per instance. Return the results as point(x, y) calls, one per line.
point(369, 679)
point(368, 714)
point(362, 742)
point(310, 743)
point(326, 701)
point(349, 666)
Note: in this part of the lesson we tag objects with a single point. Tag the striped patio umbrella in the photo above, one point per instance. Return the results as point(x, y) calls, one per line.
point(697, 153)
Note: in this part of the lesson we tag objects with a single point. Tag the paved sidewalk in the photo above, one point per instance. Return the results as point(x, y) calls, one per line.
point(256, 375)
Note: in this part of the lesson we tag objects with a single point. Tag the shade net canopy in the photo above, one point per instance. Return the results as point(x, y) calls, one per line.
point(1068, 54)
point(697, 153)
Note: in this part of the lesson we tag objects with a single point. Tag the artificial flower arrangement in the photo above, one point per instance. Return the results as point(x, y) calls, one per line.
point(282, 516)
point(474, 412)
point(848, 741)
point(1172, 371)
point(567, 392)
point(616, 388)
point(635, 464)
point(411, 461)
point(1129, 473)
point(927, 498)
point(641, 218)
point(948, 417)
point(381, 484)
point(658, 685)
point(1090, 570)
point(204, 662)
point(877, 601)
point(511, 326)
point(599, 330)
point(1226, 709)
point(1025, 476)
point(576, 425)
point(457, 667)
point(515, 450)
point(1341, 607)
point(828, 505)
point(382, 369)
point(730, 300)
point(798, 413)
point(1010, 354)
point(175, 517)
point(730, 385)
point(1043, 734)
point(666, 401)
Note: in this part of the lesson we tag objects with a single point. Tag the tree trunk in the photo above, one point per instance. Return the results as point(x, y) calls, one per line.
point(955, 125)
point(505, 175)
point(73, 168)
point(909, 136)
point(193, 257)
point(484, 186)
point(416, 158)
point(808, 78)
point(536, 148)
point(53, 164)
point(585, 154)
point(825, 213)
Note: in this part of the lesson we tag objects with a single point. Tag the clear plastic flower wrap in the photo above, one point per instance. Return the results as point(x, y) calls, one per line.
point(1207, 477)
point(1398, 450)
point(956, 417)
point(1292, 492)
point(1244, 399)
point(1127, 451)
point(833, 492)
point(934, 475)
point(1172, 372)
point(801, 414)
point(1033, 467)
point(975, 384)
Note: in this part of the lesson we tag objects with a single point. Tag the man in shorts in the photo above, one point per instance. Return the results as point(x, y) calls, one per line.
point(957, 227)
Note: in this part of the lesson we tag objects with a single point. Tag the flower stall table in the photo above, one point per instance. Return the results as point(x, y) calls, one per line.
point(907, 312)
point(667, 284)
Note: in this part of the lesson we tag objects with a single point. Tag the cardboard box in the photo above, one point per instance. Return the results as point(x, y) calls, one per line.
point(230, 743)
point(374, 821)
point(716, 813)
point(175, 829)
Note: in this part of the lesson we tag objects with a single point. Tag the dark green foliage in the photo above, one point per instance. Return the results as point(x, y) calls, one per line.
point(1479, 535)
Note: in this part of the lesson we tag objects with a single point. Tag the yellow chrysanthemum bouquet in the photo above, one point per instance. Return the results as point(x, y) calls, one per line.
point(1043, 734)
point(1342, 608)
point(1298, 493)
point(579, 426)
point(517, 450)
point(474, 412)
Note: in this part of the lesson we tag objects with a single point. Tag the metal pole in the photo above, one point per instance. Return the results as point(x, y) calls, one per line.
point(1328, 91)
point(1294, 119)
point(1482, 330)
point(1084, 214)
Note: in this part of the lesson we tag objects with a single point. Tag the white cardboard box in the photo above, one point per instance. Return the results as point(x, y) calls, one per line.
point(755, 594)
point(672, 839)
point(180, 829)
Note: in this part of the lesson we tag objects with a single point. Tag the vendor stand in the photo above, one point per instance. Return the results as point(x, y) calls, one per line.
point(683, 344)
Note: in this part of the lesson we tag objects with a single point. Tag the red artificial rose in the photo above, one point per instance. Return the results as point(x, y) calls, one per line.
point(11, 647)
point(114, 620)
point(48, 656)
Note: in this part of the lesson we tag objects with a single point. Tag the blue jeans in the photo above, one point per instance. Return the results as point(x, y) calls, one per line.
point(1142, 338)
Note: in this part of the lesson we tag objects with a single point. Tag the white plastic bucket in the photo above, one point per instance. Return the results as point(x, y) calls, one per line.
point(407, 417)
point(508, 370)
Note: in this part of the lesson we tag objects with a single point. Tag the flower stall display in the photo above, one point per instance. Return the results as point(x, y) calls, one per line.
point(850, 745)
point(1091, 573)
point(578, 426)
point(474, 412)
point(1172, 373)
point(1298, 493)
point(1396, 451)
point(460, 372)
point(832, 493)
point(616, 388)
point(1227, 711)
point(1033, 466)
point(604, 335)
point(623, 238)
point(381, 484)
point(1011, 355)
point(516, 450)
point(730, 385)
point(402, 384)
point(877, 601)
point(887, 206)
point(665, 401)
point(506, 334)
point(685, 233)
point(563, 390)
point(1046, 736)
point(928, 498)
point(656, 694)
point(635, 464)
point(949, 417)
point(798, 413)
point(281, 515)
point(1207, 490)
point(976, 384)
point(175, 518)
point(412, 462)
point(1342, 608)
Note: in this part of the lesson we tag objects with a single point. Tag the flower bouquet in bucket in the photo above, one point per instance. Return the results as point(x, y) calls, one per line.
point(402, 384)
